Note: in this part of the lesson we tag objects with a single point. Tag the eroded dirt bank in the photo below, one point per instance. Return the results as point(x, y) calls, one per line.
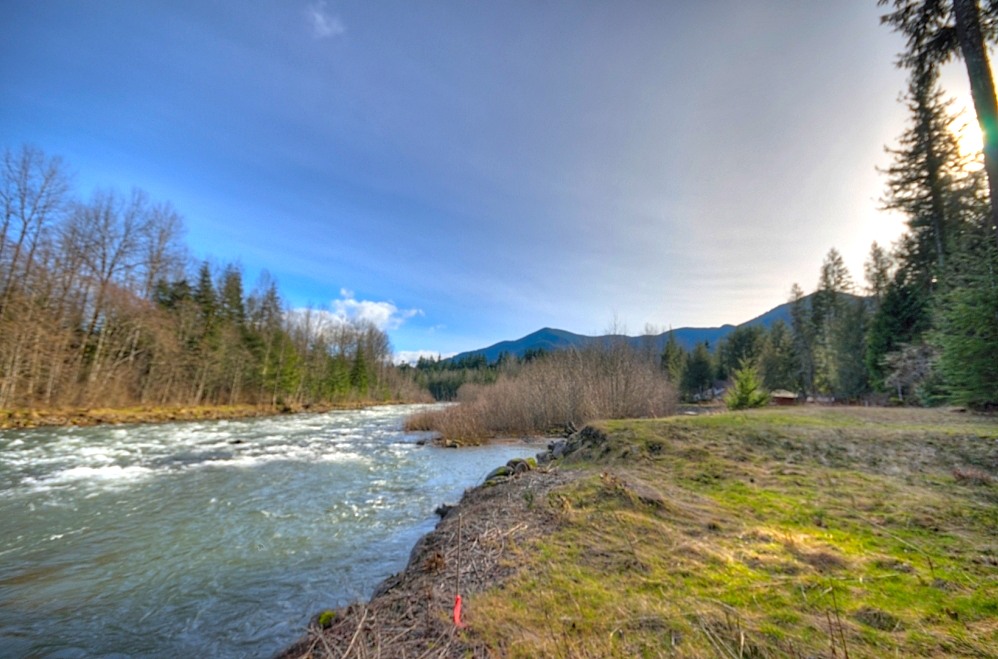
point(474, 547)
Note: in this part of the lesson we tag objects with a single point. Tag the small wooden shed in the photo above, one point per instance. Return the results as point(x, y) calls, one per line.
point(783, 397)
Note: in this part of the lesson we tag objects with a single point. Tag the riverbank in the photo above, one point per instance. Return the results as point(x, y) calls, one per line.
point(787, 532)
point(473, 549)
point(93, 416)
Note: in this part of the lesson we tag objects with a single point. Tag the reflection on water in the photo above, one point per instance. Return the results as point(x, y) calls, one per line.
point(210, 539)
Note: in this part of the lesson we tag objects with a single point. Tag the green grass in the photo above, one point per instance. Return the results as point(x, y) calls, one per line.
point(777, 532)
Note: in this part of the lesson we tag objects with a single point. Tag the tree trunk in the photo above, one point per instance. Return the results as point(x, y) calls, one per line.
point(982, 89)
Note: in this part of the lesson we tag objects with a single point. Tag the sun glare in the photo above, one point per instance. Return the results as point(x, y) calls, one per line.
point(968, 132)
point(965, 126)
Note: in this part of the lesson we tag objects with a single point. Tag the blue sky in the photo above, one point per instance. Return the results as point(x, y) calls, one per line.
point(467, 172)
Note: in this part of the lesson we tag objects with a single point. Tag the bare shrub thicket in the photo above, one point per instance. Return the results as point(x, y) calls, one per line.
point(611, 381)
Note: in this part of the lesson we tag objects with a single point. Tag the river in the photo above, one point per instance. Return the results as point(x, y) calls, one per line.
point(210, 539)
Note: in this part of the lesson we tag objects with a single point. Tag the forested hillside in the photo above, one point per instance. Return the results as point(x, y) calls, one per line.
point(100, 304)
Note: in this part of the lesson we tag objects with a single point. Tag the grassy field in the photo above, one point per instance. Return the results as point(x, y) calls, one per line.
point(779, 532)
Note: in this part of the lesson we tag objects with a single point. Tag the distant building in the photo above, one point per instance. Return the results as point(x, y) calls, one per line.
point(783, 397)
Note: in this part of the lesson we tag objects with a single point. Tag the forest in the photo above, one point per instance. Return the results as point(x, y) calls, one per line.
point(924, 328)
point(101, 305)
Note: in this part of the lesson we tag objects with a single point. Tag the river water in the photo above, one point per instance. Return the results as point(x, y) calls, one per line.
point(213, 539)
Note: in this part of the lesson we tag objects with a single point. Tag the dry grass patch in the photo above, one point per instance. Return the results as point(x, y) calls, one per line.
point(545, 395)
point(779, 535)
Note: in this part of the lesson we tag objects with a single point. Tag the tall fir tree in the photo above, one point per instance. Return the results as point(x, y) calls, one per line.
point(743, 345)
point(878, 270)
point(698, 376)
point(804, 339)
point(673, 359)
point(966, 320)
point(929, 181)
point(937, 30)
point(778, 361)
point(903, 318)
point(828, 313)
point(849, 377)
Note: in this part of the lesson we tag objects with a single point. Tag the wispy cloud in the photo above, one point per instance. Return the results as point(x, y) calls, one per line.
point(323, 23)
point(384, 315)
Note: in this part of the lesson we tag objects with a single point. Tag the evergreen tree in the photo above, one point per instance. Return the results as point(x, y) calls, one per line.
point(878, 269)
point(970, 31)
point(968, 335)
point(833, 281)
point(902, 318)
point(282, 372)
point(170, 294)
point(950, 214)
point(935, 31)
point(265, 335)
point(264, 307)
point(698, 374)
point(743, 344)
point(746, 389)
point(778, 361)
point(673, 359)
point(804, 339)
point(530, 354)
point(231, 305)
point(849, 377)
point(338, 376)
point(359, 377)
point(928, 180)
point(827, 310)
point(967, 322)
point(205, 295)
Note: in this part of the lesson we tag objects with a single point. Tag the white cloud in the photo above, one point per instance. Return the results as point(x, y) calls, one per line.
point(384, 315)
point(412, 356)
point(348, 310)
point(324, 24)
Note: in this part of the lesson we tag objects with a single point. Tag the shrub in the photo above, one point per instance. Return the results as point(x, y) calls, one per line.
point(746, 389)
point(611, 381)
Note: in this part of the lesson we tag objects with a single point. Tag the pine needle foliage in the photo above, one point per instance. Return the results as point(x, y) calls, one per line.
point(746, 388)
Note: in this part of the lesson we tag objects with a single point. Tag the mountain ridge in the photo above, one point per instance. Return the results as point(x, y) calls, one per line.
point(551, 338)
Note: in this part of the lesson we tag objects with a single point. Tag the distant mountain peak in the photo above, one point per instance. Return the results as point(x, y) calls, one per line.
point(552, 338)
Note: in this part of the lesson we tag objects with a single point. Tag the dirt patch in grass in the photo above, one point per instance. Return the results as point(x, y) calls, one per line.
point(877, 619)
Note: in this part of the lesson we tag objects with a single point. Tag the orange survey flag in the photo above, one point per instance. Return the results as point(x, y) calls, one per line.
point(457, 612)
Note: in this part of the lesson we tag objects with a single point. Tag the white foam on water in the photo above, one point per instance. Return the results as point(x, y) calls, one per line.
point(110, 474)
point(345, 456)
point(102, 458)
point(97, 454)
point(296, 454)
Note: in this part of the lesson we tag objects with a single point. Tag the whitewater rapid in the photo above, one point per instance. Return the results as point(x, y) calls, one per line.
point(210, 538)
